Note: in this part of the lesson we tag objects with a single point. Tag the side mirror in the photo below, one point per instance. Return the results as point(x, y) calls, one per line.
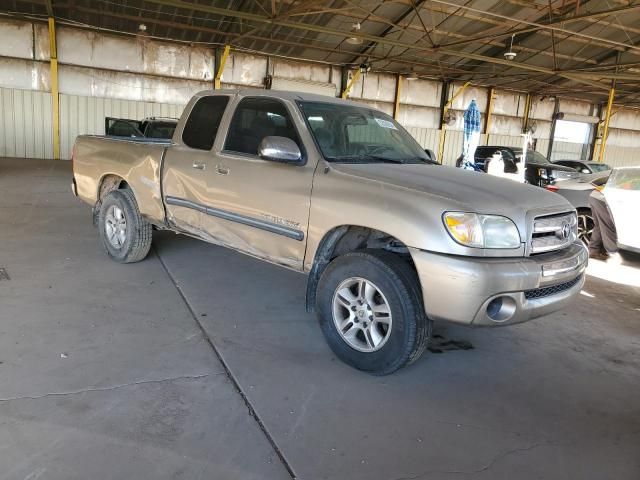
point(279, 149)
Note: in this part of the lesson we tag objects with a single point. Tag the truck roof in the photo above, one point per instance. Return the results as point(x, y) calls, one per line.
point(282, 94)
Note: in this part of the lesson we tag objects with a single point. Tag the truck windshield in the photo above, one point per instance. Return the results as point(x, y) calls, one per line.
point(349, 134)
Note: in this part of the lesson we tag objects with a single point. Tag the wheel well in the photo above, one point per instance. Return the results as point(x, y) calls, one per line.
point(345, 239)
point(107, 184)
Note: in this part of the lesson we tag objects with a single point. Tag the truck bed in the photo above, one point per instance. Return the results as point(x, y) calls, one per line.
point(138, 161)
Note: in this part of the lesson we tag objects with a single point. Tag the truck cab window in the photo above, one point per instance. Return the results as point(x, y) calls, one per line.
point(255, 119)
point(202, 125)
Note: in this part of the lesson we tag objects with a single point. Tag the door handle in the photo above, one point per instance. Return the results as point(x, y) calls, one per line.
point(222, 170)
point(198, 166)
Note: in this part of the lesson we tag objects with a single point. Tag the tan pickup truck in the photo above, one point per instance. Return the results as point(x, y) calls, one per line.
point(390, 240)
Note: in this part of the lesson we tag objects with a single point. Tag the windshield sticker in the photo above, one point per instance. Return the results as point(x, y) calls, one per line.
point(385, 123)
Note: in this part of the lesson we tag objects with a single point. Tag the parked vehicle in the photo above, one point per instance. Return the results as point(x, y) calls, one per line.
point(152, 127)
point(584, 166)
point(389, 239)
point(577, 193)
point(622, 192)
point(538, 170)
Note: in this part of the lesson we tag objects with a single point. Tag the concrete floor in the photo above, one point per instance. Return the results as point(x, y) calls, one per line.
point(202, 363)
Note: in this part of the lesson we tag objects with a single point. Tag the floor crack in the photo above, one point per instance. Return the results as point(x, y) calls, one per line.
point(112, 387)
point(489, 465)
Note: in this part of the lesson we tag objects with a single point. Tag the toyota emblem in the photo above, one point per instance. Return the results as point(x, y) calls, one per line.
point(565, 232)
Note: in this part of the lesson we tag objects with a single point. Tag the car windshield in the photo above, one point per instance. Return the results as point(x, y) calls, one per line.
point(599, 167)
point(350, 134)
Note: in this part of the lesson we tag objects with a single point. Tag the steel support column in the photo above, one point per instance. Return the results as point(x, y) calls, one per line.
point(607, 118)
point(396, 105)
point(354, 79)
point(55, 97)
point(220, 67)
point(445, 109)
point(487, 119)
point(527, 112)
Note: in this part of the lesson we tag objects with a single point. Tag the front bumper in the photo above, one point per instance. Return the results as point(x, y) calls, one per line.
point(499, 291)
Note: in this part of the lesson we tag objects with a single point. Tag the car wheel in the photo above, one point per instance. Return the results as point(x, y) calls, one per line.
point(585, 225)
point(126, 235)
point(371, 313)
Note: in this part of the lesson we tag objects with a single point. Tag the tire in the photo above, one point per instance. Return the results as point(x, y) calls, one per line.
point(127, 242)
point(390, 280)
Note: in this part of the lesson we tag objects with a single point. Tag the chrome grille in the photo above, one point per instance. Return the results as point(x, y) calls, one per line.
point(553, 232)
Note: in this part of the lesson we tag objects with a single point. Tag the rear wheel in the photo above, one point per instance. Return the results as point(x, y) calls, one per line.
point(370, 311)
point(126, 235)
point(585, 225)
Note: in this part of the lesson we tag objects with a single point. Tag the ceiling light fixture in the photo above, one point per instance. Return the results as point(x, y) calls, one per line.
point(510, 55)
point(355, 40)
point(412, 75)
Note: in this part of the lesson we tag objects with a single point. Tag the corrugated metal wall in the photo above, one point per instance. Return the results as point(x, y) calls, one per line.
point(85, 115)
point(25, 124)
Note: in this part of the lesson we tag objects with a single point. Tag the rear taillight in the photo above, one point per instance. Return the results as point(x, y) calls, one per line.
point(552, 188)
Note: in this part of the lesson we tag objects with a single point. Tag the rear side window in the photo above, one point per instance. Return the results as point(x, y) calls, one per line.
point(256, 118)
point(202, 125)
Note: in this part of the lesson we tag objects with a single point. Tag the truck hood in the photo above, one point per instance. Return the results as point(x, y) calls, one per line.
point(463, 190)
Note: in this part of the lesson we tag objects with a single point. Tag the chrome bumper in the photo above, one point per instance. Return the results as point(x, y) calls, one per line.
point(499, 291)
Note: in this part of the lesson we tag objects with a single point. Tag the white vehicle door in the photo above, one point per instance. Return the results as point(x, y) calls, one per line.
point(622, 193)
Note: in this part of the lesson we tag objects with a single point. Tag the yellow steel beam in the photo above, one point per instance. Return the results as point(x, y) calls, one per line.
point(55, 98)
point(444, 112)
point(607, 118)
point(223, 61)
point(354, 79)
point(487, 120)
point(527, 112)
point(396, 106)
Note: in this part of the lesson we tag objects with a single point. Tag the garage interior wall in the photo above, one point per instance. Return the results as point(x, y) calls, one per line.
point(104, 74)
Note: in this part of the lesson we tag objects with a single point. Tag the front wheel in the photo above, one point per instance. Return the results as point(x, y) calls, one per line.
point(371, 313)
point(125, 234)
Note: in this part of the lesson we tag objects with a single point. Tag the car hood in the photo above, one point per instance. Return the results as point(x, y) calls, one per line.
point(463, 190)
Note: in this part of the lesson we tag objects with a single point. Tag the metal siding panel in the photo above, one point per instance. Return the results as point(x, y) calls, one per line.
point(29, 125)
point(9, 126)
point(47, 122)
point(2, 126)
point(38, 126)
point(18, 118)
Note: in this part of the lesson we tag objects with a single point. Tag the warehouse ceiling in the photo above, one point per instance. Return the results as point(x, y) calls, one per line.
point(576, 47)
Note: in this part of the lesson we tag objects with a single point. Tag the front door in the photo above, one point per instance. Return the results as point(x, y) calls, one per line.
point(257, 206)
point(187, 162)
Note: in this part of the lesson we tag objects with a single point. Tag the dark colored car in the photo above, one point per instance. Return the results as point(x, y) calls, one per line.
point(539, 170)
point(152, 127)
point(584, 166)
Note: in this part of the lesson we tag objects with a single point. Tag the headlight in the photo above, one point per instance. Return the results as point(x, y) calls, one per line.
point(482, 231)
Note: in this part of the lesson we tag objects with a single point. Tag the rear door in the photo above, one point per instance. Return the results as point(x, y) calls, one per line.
point(258, 206)
point(188, 161)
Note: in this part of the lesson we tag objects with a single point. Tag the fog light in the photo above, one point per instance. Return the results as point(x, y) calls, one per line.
point(501, 309)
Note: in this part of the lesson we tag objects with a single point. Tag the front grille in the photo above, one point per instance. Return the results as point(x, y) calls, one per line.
point(553, 232)
point(552, 290)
